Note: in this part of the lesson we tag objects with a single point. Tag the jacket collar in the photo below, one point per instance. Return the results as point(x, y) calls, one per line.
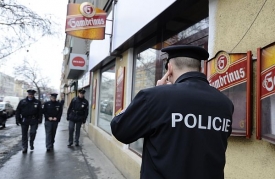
point(193, 74)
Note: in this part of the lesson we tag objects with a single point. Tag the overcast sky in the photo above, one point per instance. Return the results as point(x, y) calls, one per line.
point(47, 52)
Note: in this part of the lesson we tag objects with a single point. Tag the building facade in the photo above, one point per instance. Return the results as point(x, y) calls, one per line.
point(136, 31)
point(6, 85)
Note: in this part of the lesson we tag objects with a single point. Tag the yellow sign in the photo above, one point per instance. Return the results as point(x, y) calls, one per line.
point(85, 21)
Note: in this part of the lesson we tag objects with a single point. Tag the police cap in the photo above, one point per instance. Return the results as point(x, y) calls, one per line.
point(191, 51)
point(54, 95)
point(82, 91)
point(31, 91)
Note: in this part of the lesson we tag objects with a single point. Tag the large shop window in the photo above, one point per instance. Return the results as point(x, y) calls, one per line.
point(148, 69)
point(149, 62)
point(107, 90)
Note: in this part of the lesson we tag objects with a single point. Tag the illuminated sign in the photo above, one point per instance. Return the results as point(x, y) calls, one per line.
point(85, 21)
point(78, 61)
point(232, 75)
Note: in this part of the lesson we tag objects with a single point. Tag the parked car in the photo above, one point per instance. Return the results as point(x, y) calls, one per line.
point(7, 108)
point(106, 106)
point(3, 118)
point(103, 105)
point(12, 100)
point(3, 114)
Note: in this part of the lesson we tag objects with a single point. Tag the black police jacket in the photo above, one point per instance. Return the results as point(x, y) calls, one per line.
point(29, 111)
point(78, 110)
point(185, 127)
point(52, 109)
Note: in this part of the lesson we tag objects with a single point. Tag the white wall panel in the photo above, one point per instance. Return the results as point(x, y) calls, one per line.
point(99, 49)
point(132, 15)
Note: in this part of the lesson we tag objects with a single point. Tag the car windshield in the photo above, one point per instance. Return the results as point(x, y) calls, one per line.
point(1, 105)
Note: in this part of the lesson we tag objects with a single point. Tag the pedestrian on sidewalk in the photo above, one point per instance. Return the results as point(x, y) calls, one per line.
point(76, 115)
point(185, 125)
point(52, 112)
point(28, 115)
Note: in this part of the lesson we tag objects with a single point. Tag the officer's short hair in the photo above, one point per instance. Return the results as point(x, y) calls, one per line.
point(187, 62)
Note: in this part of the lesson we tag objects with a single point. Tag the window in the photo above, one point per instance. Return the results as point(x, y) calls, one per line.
point(149, 62)
point(148, 69)
point(106, 99)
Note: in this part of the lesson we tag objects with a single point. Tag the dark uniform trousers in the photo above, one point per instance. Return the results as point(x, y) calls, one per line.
point(50, 128)
point(25, 128)
point(74, 126)
point(28, 114)
point(52, 109)
point(76, 115)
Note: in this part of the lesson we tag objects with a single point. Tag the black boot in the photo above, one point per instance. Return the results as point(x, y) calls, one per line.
point(31, 146)
point(24, 151)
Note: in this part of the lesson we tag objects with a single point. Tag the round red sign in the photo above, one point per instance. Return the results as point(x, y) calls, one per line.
point(78, 61)
point(222, 62)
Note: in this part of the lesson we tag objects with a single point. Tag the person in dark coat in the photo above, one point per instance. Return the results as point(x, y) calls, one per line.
point(76, 115)
point(185, 125)
point(52, 111)
point(28, 115)
point(62, 101)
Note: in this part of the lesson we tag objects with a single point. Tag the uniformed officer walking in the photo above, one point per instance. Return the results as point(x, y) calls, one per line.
point(28, 114)
point(76, 115)
point(52, 111)
point(185, 125)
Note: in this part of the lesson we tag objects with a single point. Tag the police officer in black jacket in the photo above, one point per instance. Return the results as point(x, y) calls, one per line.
point(52, 112)
point(76, 115)
point(185, 125)
point(28, 114)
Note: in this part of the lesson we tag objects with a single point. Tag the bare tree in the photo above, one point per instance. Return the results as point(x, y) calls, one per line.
point(20, 27)
point(30, 72)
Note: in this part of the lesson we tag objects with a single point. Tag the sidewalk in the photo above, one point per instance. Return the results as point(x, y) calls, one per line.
point(84, 162)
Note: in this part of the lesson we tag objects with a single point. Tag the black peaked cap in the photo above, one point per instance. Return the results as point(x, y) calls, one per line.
point(54, 95)
point(191, 51)
point(82, 91)
point(30, 91)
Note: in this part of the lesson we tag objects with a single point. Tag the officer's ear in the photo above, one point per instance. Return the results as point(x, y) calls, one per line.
point(170, 69)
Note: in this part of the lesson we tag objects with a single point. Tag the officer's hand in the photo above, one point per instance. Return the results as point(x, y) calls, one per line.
point(164, 79)
point(17, 123)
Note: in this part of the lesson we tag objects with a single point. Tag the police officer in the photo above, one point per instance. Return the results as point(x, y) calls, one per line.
point(76, 115)
point(28, 114)
point(52, 111)
point(185, 125)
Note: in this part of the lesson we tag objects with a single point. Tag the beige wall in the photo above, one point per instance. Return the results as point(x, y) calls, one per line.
point(124, 159)
point(246, 158)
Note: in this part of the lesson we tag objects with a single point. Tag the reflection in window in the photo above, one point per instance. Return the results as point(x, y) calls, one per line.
point(237, 94)
point(148, 70)
point(107, 89)
point(268, 117)
point(185, 36)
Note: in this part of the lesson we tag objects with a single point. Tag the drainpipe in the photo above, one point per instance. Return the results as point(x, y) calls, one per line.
point(112, 30)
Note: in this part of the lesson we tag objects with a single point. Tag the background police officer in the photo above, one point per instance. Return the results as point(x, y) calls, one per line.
point(76, 115)
point(52, 111)
point(185, 125)
point(28, 114)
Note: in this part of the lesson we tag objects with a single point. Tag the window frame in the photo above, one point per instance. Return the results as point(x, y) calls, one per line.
point(102, 70)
